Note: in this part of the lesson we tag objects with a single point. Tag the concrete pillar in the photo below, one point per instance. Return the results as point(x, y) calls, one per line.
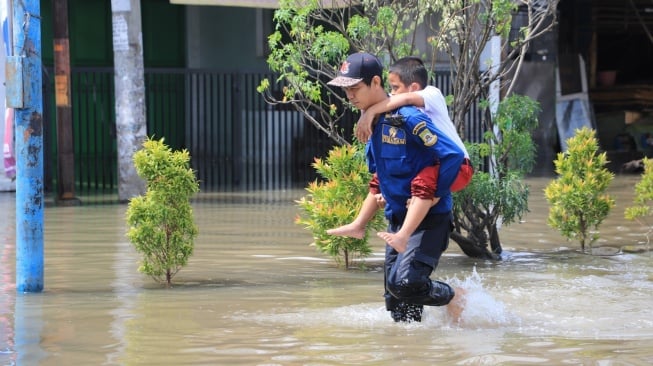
point(131, 127)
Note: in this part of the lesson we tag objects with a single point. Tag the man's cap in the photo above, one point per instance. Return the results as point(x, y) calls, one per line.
point(358, 67)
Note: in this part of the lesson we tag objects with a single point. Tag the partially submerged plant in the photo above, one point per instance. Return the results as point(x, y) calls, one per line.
point(578, 199)
point(335, 201)
point(161, 222)
point(641, 211)
point(498, 196)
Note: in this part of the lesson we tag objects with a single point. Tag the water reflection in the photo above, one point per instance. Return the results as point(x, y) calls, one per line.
point(255, 293)
point(7, 286)
point(30, 339)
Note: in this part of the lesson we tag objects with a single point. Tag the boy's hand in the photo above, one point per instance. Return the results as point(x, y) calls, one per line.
point(364, 127)
point(380, 201)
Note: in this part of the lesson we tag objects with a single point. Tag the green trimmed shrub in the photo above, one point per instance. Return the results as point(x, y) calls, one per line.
point(641, 211)
point(577, 198)
point(335, 200)
point(161, 224)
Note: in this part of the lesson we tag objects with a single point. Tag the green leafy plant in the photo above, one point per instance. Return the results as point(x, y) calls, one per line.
point(312, 38)
point(335, 201)
point(498, 194)
point(161, 225)
point(641, 211)
point(577, 197)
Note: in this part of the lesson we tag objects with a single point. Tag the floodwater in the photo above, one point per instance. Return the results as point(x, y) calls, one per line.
point(256, 293)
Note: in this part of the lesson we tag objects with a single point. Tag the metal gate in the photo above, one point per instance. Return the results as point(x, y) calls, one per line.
point(235, 139)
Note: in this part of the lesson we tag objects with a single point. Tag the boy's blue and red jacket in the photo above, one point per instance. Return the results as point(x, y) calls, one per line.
point(400, 148)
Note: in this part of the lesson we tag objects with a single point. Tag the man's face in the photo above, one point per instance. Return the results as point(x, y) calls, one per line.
point(360, 95)
point(396, 86)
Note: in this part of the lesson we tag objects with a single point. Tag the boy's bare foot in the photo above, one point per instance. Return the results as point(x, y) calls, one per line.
point(398, 242)
point(349, 230)
point(457, 305)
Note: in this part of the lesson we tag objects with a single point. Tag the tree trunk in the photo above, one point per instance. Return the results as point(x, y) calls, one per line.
point(473, 249)
point(495, 243)
point(479, 229)
point(65, 153)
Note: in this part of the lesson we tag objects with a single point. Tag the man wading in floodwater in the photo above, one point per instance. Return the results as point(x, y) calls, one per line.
point(399, 150)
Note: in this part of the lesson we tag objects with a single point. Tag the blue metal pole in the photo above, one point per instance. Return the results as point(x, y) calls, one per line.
point(24, 94)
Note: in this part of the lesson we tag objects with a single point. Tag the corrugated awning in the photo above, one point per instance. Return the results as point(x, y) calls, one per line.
point(269, 4)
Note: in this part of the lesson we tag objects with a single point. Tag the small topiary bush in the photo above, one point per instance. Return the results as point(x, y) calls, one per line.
point(642, 211)
point(577, 198)
point(161, 225)
point(335, 201)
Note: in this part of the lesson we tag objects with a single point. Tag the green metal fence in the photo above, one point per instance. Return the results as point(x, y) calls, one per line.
point(237, 141)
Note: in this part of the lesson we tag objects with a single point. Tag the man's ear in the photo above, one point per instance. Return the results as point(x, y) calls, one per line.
point(414, 87)
point(376, 80)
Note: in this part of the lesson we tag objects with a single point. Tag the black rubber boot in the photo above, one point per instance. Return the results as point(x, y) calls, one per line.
point(407, 313)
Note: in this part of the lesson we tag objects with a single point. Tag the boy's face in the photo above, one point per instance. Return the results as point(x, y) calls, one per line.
point(396, 86)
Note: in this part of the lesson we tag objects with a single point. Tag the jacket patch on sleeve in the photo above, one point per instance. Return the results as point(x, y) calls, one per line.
point(418, 127)
point(428, 137)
